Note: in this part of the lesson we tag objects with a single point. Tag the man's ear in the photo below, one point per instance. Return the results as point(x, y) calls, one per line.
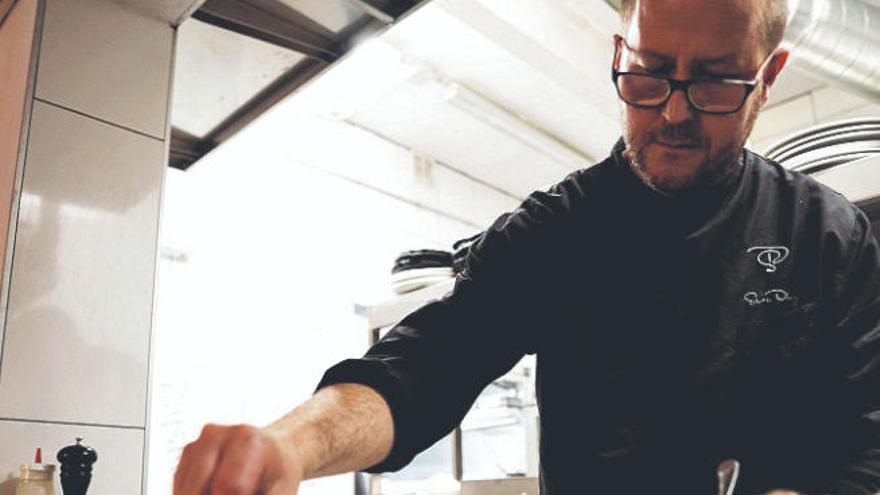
point(615, 62)
point(771, 72)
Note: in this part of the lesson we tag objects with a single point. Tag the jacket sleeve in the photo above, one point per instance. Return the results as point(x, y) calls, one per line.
point(859, 330)
point(433, 364)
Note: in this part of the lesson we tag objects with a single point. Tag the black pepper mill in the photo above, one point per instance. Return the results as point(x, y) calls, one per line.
point(76, 467)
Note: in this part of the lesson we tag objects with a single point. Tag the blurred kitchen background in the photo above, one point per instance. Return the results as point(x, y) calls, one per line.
point(208, 198)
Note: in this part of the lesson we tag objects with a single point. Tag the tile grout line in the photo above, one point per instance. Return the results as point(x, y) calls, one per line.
point(71, 423)
point(98, 119)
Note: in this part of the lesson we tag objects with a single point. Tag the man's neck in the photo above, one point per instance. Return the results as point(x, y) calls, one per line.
point(717, 187)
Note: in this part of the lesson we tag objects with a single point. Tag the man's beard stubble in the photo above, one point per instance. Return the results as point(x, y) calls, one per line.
point(711, 171)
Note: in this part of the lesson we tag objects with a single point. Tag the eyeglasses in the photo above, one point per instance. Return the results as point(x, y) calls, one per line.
point(715, 96)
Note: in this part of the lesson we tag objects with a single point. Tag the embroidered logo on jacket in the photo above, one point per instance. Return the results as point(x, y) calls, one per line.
point(770, 256)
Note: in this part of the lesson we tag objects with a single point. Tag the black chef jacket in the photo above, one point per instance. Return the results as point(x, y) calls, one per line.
point(742, 322)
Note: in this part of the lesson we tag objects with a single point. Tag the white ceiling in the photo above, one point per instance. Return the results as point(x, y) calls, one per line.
point(530, 58)
point(547, 62)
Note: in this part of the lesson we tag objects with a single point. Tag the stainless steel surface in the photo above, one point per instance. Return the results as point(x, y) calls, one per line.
point(323, 31)
point(837, 41)
point(829, 145)
point(728, 472)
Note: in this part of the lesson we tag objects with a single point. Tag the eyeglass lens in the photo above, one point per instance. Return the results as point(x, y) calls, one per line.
point(709, 96)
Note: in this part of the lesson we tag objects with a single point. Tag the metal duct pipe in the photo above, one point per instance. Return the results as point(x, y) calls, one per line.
point(837, 41)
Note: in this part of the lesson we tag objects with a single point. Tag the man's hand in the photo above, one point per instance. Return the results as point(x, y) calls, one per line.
point(239, 460)
point(342, 428)
point(782, 492)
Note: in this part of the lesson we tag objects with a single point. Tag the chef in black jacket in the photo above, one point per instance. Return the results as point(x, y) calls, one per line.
point(688, 301)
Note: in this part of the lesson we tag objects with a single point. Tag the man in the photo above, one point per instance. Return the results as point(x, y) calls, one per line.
point(688, 302)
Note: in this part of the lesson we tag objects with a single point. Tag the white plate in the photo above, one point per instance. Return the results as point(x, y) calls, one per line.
point(422, 272)
point(405, 286)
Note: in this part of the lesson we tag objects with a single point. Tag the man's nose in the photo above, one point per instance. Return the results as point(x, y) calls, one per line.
point(677, 108)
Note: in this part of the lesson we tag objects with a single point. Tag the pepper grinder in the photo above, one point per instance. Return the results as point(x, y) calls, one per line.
point(76, 467)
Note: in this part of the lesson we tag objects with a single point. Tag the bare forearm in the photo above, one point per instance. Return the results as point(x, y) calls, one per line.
point(343, 428)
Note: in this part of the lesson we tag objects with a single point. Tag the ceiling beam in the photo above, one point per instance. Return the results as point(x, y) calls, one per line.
point(287, 83)
point(294, 31)
point(185, 149)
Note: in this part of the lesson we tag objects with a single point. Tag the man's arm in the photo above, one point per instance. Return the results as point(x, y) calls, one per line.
point(433, 364)
point(415, 385)
point(342, 428)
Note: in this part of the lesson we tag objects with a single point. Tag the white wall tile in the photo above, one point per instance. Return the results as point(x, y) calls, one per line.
point(78, 326)
point(106, 60)
point(120, 453)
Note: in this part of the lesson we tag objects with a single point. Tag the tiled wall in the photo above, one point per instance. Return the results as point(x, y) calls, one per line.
point(77, 335)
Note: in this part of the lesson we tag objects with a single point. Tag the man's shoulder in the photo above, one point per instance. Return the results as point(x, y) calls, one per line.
point(806, 196)
point(574, 189)
point(554, 207)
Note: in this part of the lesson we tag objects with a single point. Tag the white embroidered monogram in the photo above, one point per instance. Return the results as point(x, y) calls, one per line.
point(770, 256)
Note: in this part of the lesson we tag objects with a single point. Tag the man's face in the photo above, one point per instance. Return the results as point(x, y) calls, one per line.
point(676, 147)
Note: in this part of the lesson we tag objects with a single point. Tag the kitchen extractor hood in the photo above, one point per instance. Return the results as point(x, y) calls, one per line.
point(284, 43)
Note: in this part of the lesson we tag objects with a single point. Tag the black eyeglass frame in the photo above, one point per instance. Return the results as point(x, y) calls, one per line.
point(682, 84)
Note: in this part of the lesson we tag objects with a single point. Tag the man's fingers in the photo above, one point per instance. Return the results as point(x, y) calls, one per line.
point(242, 463)
point(197, 462)
point(235, 460)
point(194, 472)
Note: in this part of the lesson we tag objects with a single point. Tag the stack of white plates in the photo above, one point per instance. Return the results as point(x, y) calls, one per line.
point(417, 278)
point(828, 145)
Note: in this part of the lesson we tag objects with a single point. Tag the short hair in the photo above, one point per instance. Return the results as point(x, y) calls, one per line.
point(773, 20)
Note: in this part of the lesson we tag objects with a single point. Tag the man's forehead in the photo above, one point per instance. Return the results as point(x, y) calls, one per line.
point(722, 18)
point(726, 8)
point(710, 32)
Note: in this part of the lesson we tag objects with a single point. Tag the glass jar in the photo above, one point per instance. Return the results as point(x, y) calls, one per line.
point(36, 479)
